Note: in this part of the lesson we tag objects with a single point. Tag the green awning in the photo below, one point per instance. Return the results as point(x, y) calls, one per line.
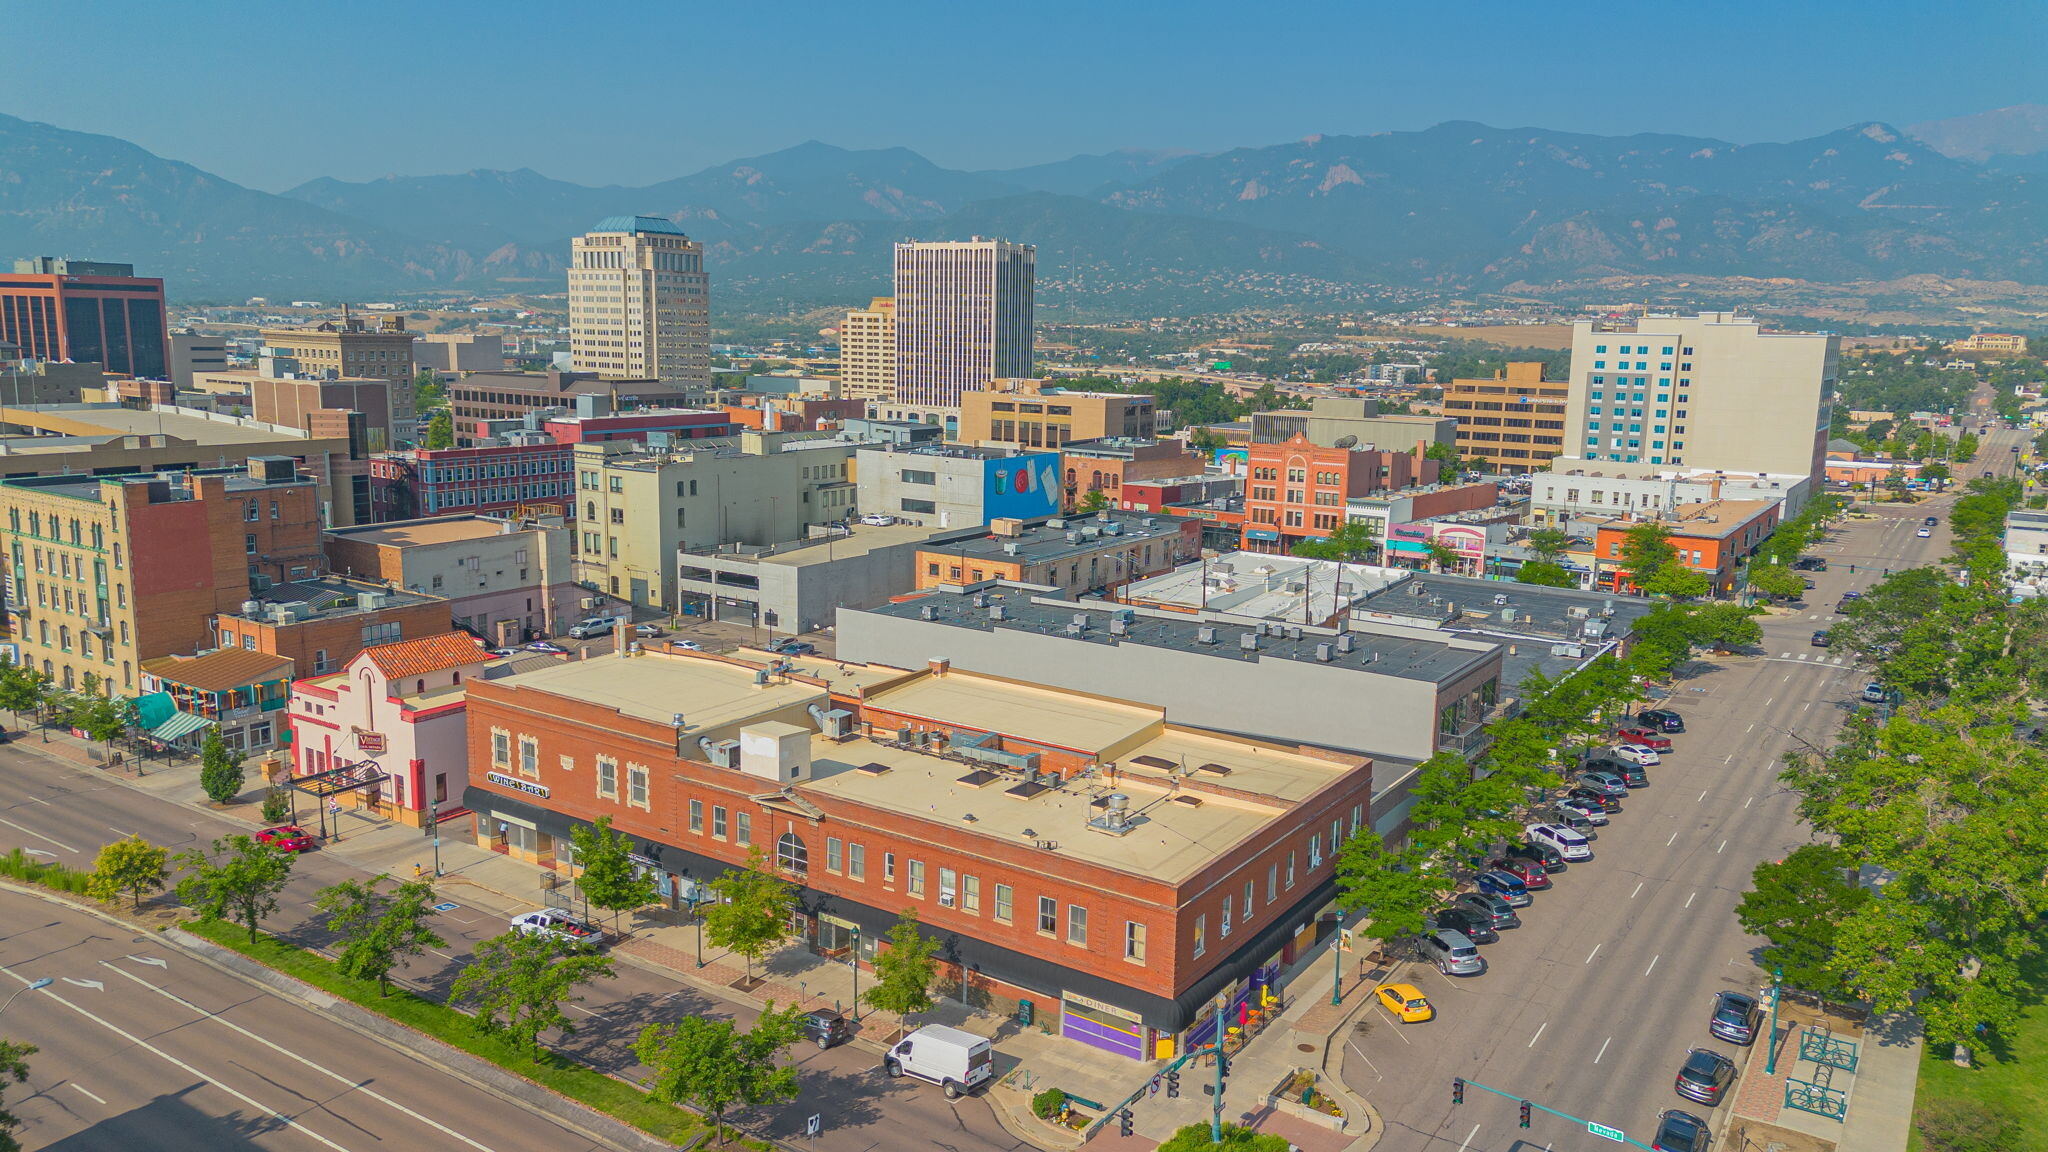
point(180, 724)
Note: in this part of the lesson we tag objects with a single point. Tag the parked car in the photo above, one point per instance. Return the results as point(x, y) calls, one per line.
point(1679, 1132)
point(1820, 638)
point(1705, 1076)
point(546, 646)
point(593, 626)
point(1735, 1017)
point(955, 1060)
point(1605, 802)
point(1406, 1002)
point(567, 929)
point(1661, 719)
point(1562, 840)
point(648, 631)
point(1459, 920)
point(286, 838)
point(1874, 693)
point(1606, 783)
point(1638, 754)
point(877, 520)
point(1579, 816)
point(1552, 860)
point(825, 1028)
point(1533, 875)
point(1490, 907)
point(795, 648)
point(1509, 888)
point(686, 645)
point(1643, 736)
point(1633, 775)
point(1453, 953)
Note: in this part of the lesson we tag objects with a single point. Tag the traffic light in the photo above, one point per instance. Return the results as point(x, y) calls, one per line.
point(1123, 1122)
point(1222, 1066)
point(1457, 1089)
point(1173, 1084)
point(1525, 1113)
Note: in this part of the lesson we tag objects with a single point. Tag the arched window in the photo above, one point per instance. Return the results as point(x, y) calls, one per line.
point(791, 855)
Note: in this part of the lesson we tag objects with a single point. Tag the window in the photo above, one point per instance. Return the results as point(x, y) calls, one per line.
point(949, 893)
point(501, 748)
point(1223, 922)
point(718, 821)
point(697, 817)
point(636, 787)
point(1357, 817)
point(529, 757)
point(1290, 871)
point(743, 828)
point(790, 853)
point(1315, 851)
point(1249, 886)
point(1002, 908)
point(1272, 883)
point(1077, 925)
point(970, 895)
point(1048, 915)
point(835, 855)
point(607, 777)
point(1134, 941)
point(1201, 935)
point(888, 867)
point(915, 882)
point(1336, 834)
point(856, 862)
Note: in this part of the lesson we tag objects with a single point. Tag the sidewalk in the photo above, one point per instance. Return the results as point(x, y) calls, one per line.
point(1879, 1093)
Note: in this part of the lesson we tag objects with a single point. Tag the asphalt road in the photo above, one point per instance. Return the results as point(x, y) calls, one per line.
point(1589, 1007)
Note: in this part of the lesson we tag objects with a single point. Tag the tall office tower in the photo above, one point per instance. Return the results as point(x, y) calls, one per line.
point(1708, 391)
point(86, 312)
point(351, 349)
point(639, 302)
point(963, 317)
point(867, 351)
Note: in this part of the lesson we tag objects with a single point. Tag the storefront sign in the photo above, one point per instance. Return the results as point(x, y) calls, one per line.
point(517, 785)
point(371, 743)
point(1099, 1006)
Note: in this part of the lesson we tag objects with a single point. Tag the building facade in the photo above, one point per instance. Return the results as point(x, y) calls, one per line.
point(1712, 538)
point(1297, 490)
point(1350, 422)
point(482, 481)
point(350, 348)
point(640, 302)
point(1709, 391)
point(1560, 497)
point(1110, 464)
point(192, 353)
point(964, 317)
point(240, 693)
point(322, 622)
point(1041, 414)
point(86, 312)
point(1075, 556)
point(953, 486)
point(1514, 422)
point(796, 587)
point(1999, 343)
point(487, 396)
point(453, 353)
point(867, 351)
point(505, 578)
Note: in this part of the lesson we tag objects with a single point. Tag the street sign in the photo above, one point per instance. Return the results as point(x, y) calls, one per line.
point(813, 1125)
point(1599, 1129)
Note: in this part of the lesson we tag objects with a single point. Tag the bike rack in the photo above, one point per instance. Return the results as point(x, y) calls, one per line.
point(1817, 1095)
point(1822, 1047)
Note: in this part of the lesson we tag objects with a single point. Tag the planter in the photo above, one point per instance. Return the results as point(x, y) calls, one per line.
point(1300, 1094)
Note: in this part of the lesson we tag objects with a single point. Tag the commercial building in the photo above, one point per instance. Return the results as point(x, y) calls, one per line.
point(86, 312)
point(1078, 555)
point(453, 353)
point(295, 402)
point(1999, 343)
point(1351, 422)
point(1041, 414)
point(392, 721)
point(640, 302)
point(1118, 869)
point(900, 433)
point(801, 413)
point(941, 416)
point(33, 382)
point(1712, 538)
point(1384, 511)
point(349, 348)
point(192, 353)
point(105, 572)
point(1514, 422)
point(487, 396)
point(2026, 552)
point(638, 506)
point(1870, 473)
point(1297, 490)
point(867, 351)
point(322, 622)
point(1108, 465)
point(505, 578)
point(953, 486)
point(963, 317)
point(1158, 495)
point(1557, 498)
point(487, 480)
point(796, 586)
point(238, 692)
point(1710, 391)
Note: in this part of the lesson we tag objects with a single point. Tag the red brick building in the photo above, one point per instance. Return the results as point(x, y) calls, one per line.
point(325, 622)
point(1073, 850)
point(1296, 490)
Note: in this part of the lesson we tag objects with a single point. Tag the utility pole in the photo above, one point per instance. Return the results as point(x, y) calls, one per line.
point(1216, 1106)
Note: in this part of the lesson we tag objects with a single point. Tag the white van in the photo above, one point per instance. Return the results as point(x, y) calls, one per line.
point(955, 1060)
point(593, 626)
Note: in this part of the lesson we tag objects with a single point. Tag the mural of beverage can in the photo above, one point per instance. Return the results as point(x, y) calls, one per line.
point(1021, 487)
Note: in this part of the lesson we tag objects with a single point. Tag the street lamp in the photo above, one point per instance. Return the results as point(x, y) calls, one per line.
point(434, 830)
point(1771, 1056)
point(855, 958)
point(1336, 963)
point(45, 982)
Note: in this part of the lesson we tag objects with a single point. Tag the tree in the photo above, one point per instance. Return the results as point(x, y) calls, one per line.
point(1549, 544)
point(441, 430)
point(1195, 1138)
point(1351, 542)
point(713, 1067)
point(1796, 904)
point(1547, 574)
point(1445, 454)
point(240, 881)
point(1676, 581)
point(1777, 581)
point(903, 973)
point(1646, 551)
point(13, 1066)
point(378, 930)
point(519, 984)
point(100, 718)
point(22, 689)
point(1442, 557)
point(1093, 500)
point(752, 913)
point(609, 878)
point(220, 769)
point(134, 866)
point(427, 390)
point(1207, 442)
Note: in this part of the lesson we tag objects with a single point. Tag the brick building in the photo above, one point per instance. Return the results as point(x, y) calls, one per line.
point(1296, 490)
point(511, 395)
point(1514, 422)
point(321, 623)
point(349, 347)
point(1712, 538)
point(487, 480)
point(1106, 465)
point(1074, 555)
point(1079, 851)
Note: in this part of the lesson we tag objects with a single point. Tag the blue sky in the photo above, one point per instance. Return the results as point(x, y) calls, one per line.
point(271, 94)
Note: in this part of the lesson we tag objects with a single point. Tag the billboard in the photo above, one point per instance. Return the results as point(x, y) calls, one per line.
point(1021, 487)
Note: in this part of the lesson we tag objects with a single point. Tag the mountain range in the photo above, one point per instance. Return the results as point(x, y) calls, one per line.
point(1460, 206)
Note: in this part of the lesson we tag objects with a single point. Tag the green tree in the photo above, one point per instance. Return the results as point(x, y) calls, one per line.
point(1195, 1138)
point(1206, 442)
point(520, 983)
point(1093, 500)
point(751, 916)
point(904, 971)
point(1547, 574)
point(134, 866)
point(241, 880)
point(1778, 581)
point(1549, 544)
point(1351, 542)
point(220, 768)
point(22, 689)
point(13, 1067)
point(1966, 447)
point(1393, 892)
point(101, 719)
point(1444, 454)
point(609, 878)
point(378, 930)
point(713, 1067)
point(1796, 904)
point(1442, 557)
point(427, 390)
point(440, 430)
point(1677, 581)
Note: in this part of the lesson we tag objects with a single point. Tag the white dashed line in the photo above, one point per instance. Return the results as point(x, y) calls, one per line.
point(1724, 845)
point(1603, 1049)
point(1748, 802)
point(38, 835)
point(1538, 1036)
point(87, 1094)
point(1468, 1138)
point(1703, 796)
point(1653, 964)
point(1593, 953)
point(1689, 899)
point(1673, 840)
point(1639, 886)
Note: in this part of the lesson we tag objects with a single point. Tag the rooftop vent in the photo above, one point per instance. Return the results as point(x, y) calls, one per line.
point(1344, 642)
point(1249, 641)
point(1119, 628)
point(928, 612)
point(1115, 818)
point(998, 612)
point(1206, 634)
point(1324, 653)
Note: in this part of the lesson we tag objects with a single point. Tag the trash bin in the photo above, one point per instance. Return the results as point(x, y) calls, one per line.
point(1024, 1013)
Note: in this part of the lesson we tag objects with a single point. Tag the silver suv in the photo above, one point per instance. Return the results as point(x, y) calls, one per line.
point(1453, 953)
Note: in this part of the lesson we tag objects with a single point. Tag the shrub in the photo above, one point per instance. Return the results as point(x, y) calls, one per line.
point(21, 866)
point(1964, 1126)
point(1195, 1138)
point(277, 805)
point(1046, 1104)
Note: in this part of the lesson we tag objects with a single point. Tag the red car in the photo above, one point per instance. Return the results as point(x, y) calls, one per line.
point(1531, 873)
point(1655, 741)
point(285, 838)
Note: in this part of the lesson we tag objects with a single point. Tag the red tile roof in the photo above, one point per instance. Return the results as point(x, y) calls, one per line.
point(427, 654)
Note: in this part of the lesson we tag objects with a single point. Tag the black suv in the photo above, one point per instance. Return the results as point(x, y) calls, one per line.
point(1810, 564)
point(1735, 1017)
point(1662, 720)
point(1543, 854)
point(1480, 929)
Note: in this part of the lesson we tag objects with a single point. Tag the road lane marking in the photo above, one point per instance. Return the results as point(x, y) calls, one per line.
point(1468, 1138)
point(1538, 1036)
point(1703, 796)
point(1639, 886)
point(93, 984)
point(1603, 1049)
point(38, 835)
point(125, 835)
point(1689, 899)
point(146, 1046)
point(1751, 728)
point(354, 1085)
point(1653, 963)
point(1748, 802)
point(1722, 848)
point(1589, 960)
point(150, 960)
point(88, 1094)
point(1674, 837)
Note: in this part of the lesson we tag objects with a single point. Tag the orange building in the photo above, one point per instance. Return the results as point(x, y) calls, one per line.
point(1108, 464)
point(1297, 491)
point(1712, 538)
point(1514, 422)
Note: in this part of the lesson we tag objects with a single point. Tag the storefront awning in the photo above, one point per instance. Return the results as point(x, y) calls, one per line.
point(180, 724)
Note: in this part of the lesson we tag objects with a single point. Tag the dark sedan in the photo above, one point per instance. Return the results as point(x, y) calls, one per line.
point(1705, 1076)
point(1480, 929)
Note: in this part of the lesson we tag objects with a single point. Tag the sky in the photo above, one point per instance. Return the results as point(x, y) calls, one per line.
point(273, 94)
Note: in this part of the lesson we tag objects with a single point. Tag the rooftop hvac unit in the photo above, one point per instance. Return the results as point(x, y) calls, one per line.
point(998, 612)
point(1112, 528)
point(1115, 818)
point(1119, 628)
point(1147, 521)
point(1344, 642)
point(1595, 629)
point(1073, 537)
point(1507, 615)
point(1206, 634)
point(1056, 524)
point(1077, 629)
point(1012, 548)
point(928, 612)
point(723, 753)
point(1324, 653)
point(1296, 587)
point(1294, 632)
point(981, 599)
point(1249, 641)
point(836, 724)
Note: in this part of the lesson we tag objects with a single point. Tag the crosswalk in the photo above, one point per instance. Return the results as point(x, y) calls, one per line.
point(1809, 658)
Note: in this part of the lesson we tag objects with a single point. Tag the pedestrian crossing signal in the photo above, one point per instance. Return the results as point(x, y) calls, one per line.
point(1457, 1089)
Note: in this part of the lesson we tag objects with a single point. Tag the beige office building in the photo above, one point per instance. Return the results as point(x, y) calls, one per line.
point(963, 317)
point(640, 302)
point(1514, 421)
point(1708, 391)
point(1041, 414)
point(867, 351)
point(349, 348)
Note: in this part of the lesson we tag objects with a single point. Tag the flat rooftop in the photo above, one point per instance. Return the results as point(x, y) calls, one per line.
point(1074, 536)
point(1070, 720)
point(843, 677)
point(114, 420)
point(655, 686)
point(87, 487)
point(859, 541)
point(331, 596)
point(1714, 518)
point(433, 530)
point(1263, 587)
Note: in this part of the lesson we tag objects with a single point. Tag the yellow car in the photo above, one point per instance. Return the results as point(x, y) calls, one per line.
point(1406, 1002)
